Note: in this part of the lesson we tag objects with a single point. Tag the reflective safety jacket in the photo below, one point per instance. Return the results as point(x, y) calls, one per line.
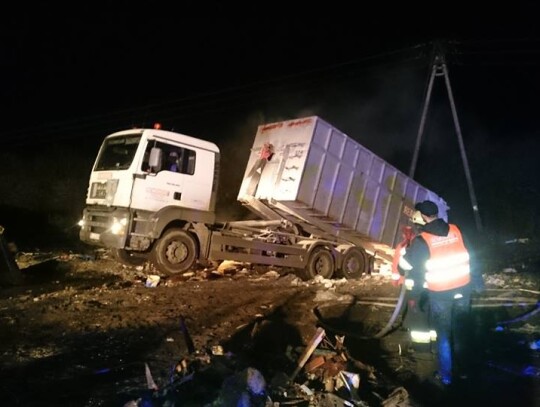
point(448, 265)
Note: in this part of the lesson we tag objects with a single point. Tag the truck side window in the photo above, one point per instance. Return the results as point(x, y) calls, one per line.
point(188, 162)
point(176, 159)
point(172, 161)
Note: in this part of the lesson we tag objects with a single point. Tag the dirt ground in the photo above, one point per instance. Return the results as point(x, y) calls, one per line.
point(84, 330)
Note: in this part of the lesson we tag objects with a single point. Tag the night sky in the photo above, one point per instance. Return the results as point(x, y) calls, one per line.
point(74, 73)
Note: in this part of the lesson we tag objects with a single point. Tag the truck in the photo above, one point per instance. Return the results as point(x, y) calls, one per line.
point(322, 204)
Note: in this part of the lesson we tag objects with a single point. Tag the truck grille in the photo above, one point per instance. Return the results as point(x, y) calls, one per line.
point(98, 222)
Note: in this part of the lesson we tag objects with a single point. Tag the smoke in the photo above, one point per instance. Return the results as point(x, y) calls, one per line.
point(235, 144)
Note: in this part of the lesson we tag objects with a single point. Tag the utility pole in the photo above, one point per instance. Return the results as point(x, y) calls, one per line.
point(439, 68)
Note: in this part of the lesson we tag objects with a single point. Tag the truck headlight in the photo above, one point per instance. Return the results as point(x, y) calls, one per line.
point(81, 223)
point(118, 226)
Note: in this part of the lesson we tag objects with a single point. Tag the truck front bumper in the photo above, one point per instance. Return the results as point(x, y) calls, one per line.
point(104, 226)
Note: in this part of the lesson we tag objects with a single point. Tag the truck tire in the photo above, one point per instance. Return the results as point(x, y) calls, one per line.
point(355, 262)
point(126, 257)
point(175, 252)
point(320, 263)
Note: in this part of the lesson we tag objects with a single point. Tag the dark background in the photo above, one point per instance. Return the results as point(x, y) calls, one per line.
point(73, 73)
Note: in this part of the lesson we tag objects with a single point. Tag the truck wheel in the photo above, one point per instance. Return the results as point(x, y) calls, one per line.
point(320, 263)
point(175, 252)
point(126, 257)
point(354, 264)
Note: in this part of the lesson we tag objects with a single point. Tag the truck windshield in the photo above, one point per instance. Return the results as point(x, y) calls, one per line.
point(117, 153)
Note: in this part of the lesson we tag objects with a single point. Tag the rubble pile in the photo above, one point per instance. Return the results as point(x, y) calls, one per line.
point(324, 375)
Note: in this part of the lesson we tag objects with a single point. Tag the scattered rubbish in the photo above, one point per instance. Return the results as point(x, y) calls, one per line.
point(351, 382)
point(332, 400)
point(271, 274)
point(214, 377)
point(152, 281)
point(350, 379)
point(150, 383)
point(182, 367)
point(244, 389)
point(317, 338)
point(227, 266)
point(398, 397)
point(521, 240)
point(306, 390)
point(217, 350)
point(315, 363)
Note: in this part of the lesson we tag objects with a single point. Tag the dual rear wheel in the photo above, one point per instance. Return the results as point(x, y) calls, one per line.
point(355, 262)
point(321, 262)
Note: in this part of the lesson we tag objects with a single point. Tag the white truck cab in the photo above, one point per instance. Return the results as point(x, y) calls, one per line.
point(142, 179)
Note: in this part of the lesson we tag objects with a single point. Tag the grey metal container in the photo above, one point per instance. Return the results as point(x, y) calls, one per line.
point(321, 176)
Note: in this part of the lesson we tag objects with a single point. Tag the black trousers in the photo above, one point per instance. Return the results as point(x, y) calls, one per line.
point(450, 317)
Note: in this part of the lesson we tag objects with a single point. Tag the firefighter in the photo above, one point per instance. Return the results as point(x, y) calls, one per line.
point(439, 260)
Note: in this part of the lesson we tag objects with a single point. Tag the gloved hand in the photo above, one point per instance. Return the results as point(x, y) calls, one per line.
point(398, 282)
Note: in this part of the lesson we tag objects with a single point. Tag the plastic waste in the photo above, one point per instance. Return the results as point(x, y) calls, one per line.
point(152, 281)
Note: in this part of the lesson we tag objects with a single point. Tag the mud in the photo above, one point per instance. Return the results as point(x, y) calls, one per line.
point(80, 329)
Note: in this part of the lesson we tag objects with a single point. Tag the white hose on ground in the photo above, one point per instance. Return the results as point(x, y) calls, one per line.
point(394, 315)
point(522, 317)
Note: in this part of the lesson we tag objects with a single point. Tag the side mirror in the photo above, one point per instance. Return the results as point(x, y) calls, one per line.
point(155, 159)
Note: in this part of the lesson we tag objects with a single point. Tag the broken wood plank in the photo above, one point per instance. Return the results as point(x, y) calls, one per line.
point(317, 338)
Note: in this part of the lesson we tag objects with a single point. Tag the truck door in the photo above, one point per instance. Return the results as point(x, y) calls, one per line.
point(162, 183)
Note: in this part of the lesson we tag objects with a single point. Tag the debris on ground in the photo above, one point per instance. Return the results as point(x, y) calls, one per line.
point(94, 327)
point(324, 375)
